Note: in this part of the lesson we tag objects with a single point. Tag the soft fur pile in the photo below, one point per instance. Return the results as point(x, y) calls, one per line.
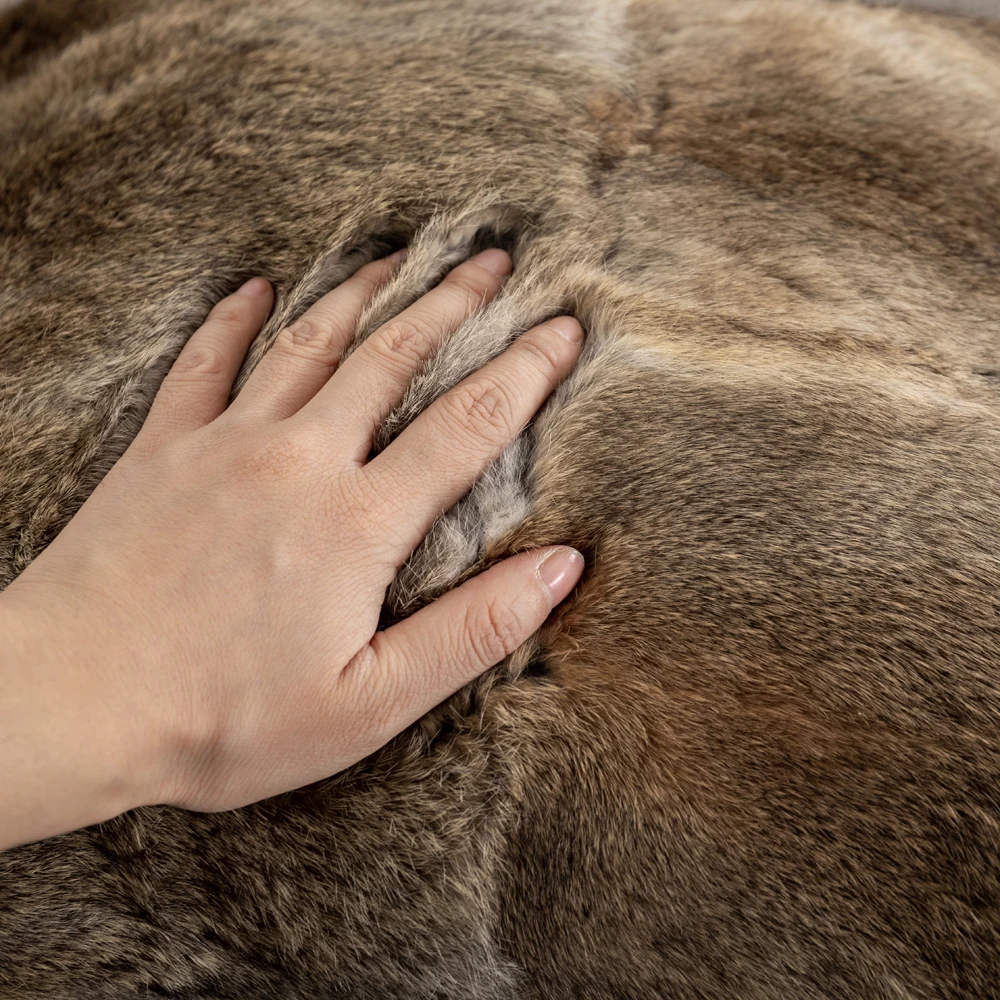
point(757, 755)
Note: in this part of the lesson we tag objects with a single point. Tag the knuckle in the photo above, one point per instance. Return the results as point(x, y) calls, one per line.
point(492, 631)
point(485, 408)
point(309, 340)
point(470, 284)
point(545, 353)
point(403, 341)
point(302, 333)
point(228, 313)
point(372, 276)
point(173, 455)
point(199, 361)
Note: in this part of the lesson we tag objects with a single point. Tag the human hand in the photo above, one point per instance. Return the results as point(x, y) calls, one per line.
point(211, 610)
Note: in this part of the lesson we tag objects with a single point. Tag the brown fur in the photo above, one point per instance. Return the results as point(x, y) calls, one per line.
point(757, 755)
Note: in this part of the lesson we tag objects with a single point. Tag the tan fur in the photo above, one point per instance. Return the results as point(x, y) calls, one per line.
point(757, 755)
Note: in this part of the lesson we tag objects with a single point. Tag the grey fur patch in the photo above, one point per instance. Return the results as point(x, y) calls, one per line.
point(499, 501)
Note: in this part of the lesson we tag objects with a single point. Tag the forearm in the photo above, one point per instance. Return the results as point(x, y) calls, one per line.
point(64, 747)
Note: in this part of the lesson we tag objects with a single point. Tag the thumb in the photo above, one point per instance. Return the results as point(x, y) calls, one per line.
point(413, 666)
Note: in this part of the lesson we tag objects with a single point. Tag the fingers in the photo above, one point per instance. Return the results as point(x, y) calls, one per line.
point(407, 670)
point(443, 452)
point(196, 389)
point(375, 376)
point(305, 354)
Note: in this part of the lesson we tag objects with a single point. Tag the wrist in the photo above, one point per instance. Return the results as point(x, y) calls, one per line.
point(74, 750)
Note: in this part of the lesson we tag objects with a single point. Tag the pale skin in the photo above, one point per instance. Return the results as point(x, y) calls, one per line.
point(202, 633)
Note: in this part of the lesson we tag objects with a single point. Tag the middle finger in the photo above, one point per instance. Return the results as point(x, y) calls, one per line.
point(375, 377)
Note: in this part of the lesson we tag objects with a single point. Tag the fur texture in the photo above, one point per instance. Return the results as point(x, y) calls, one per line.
point(757, 755)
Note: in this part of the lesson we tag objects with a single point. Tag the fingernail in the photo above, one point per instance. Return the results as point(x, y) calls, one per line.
point(560, 572)
point(399, 256)
point(495, 261)
point(567, 328)
point(255, 288)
